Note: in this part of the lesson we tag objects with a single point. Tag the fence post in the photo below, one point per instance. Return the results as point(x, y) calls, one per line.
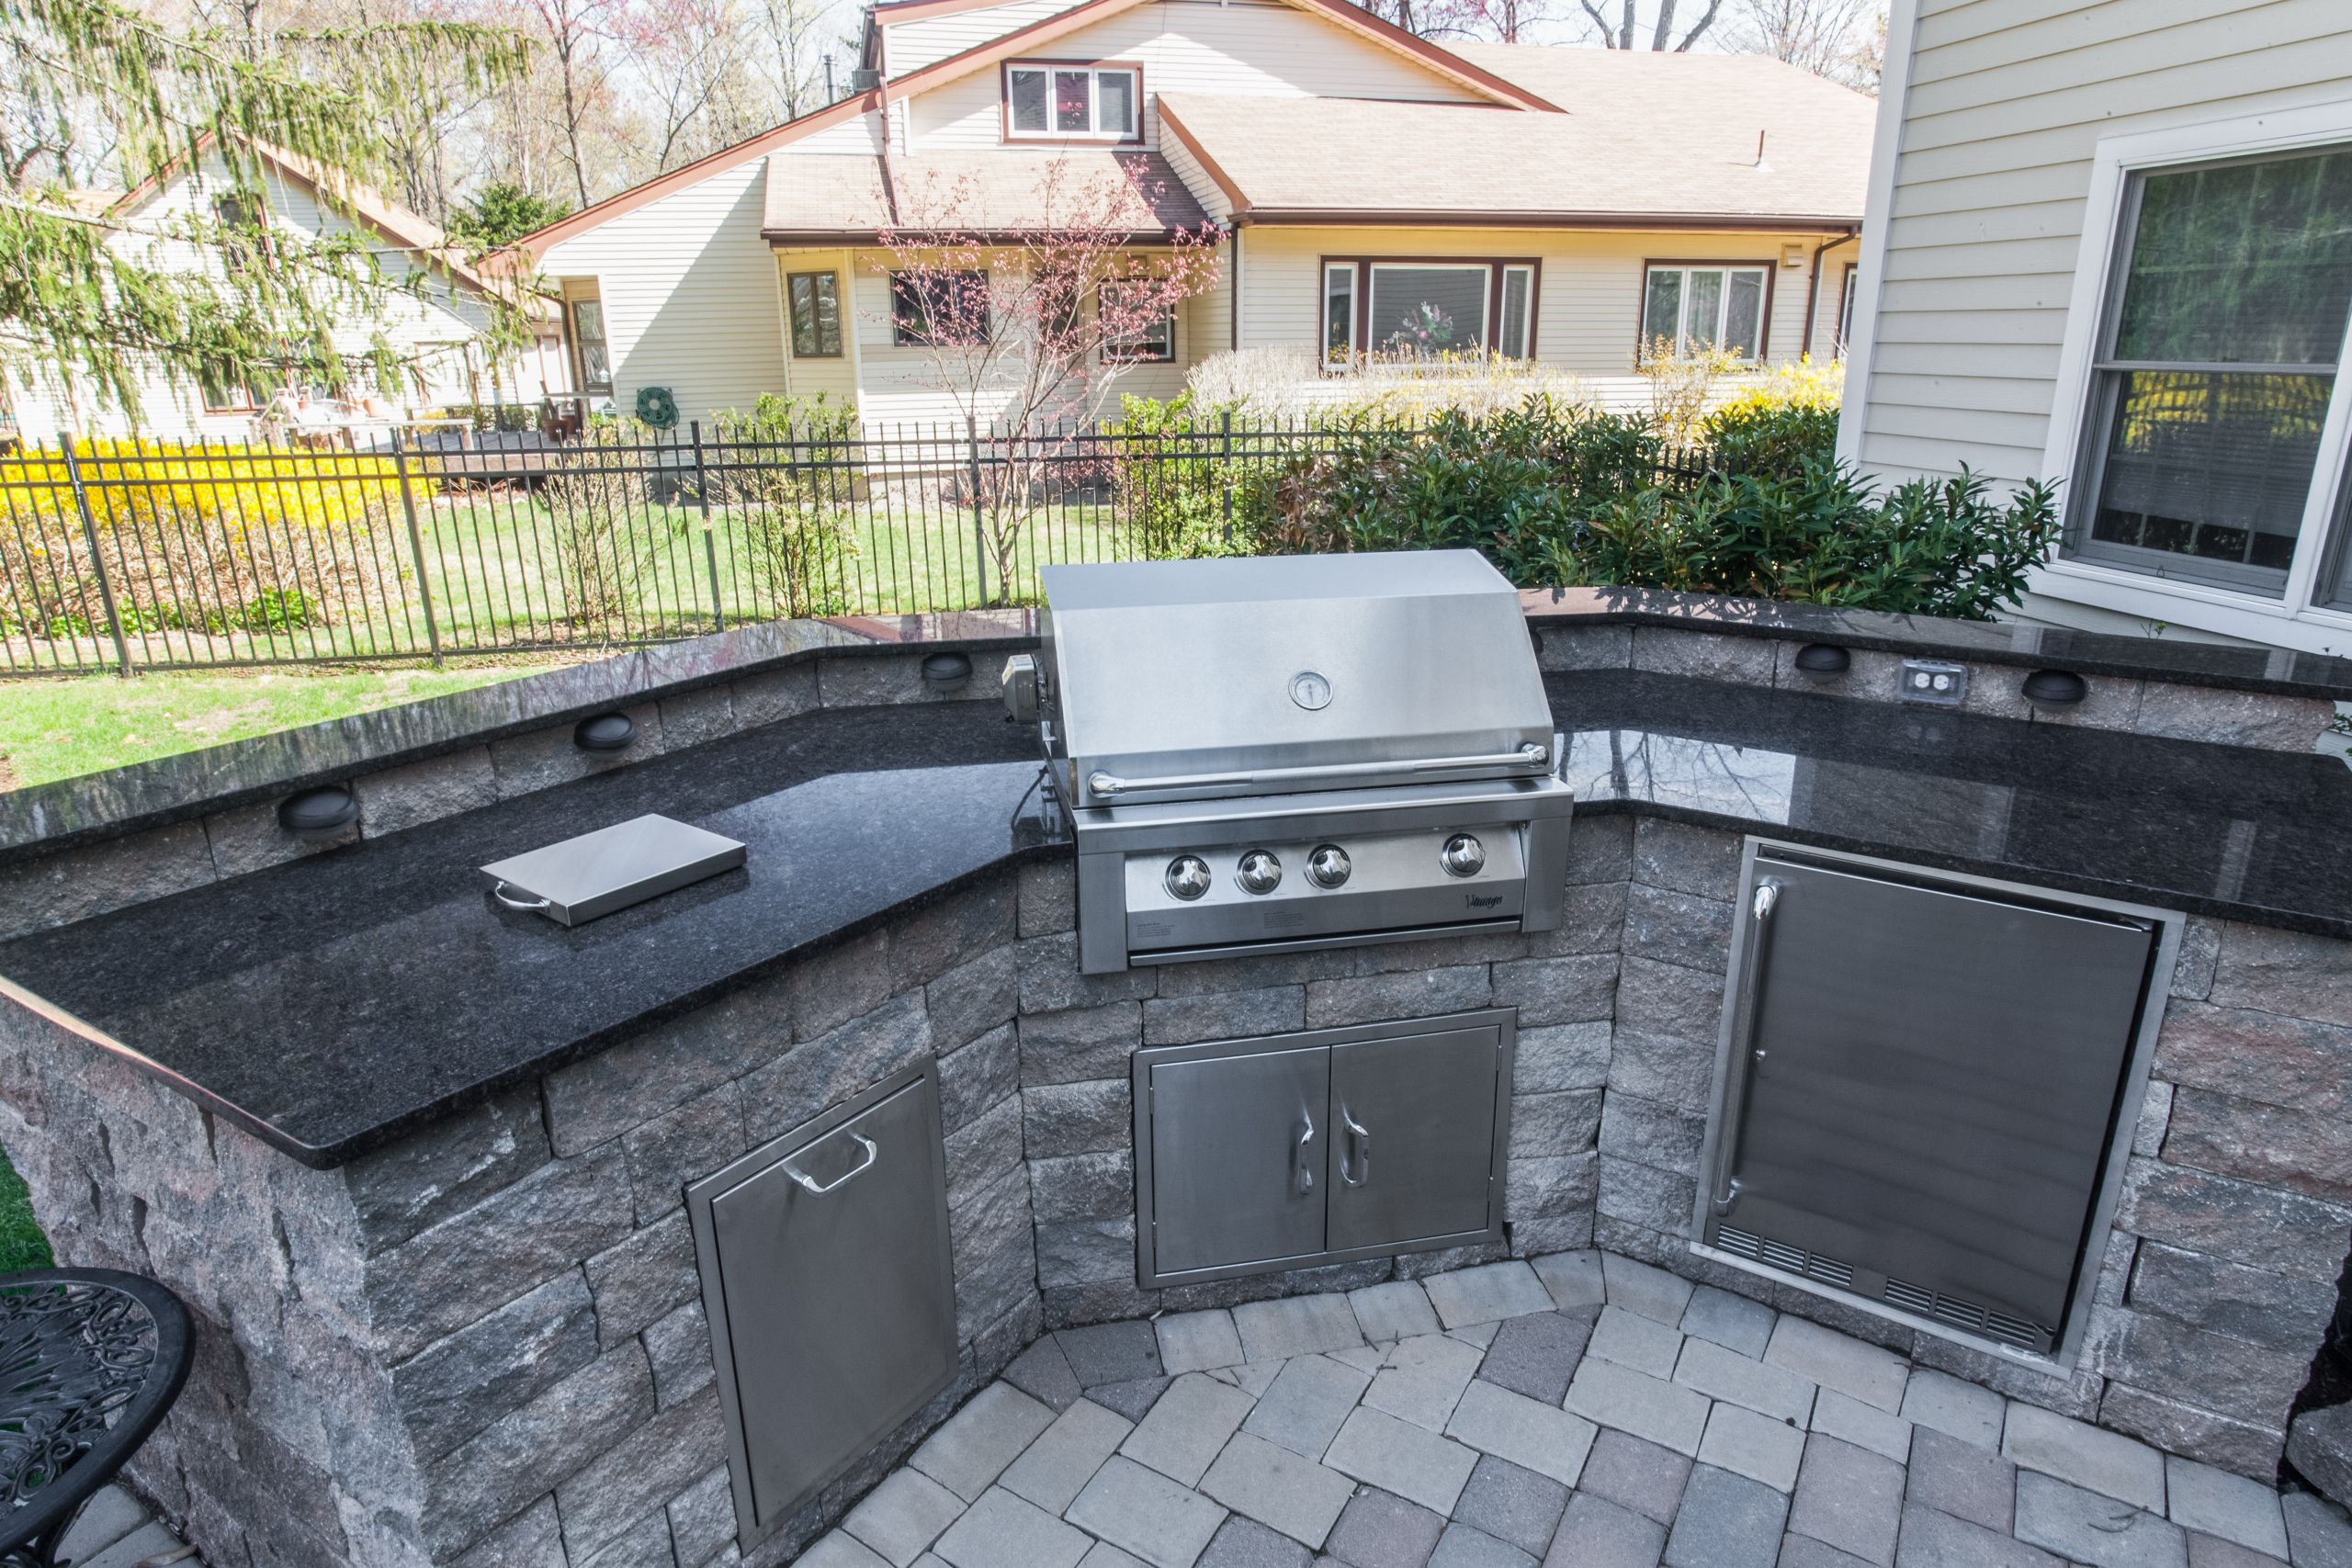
point(1225, 472)
point(97, 556)
point(979, 529)
point(415, 543)
point(709, 550)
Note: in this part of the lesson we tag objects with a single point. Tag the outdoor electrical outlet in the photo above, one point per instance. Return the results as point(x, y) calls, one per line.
point(1935, 683)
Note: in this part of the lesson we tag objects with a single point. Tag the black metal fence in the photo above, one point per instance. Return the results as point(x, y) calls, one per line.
point(121, 556)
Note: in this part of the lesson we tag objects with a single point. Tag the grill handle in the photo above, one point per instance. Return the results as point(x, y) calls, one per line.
point(1111, 786)
point(1744, 1054)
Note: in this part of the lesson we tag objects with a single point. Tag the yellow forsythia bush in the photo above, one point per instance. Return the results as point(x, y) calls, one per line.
point(1807, 383)
point(134, 480)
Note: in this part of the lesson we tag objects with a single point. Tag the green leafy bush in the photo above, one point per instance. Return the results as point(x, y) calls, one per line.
point(1754, 437)
point(1179, 492)
point(793, 507)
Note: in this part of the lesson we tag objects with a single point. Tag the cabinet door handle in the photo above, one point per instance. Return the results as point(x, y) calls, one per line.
point(1359, 1140)
point(860, 1169)
point(1303, 1177)
point(1744, 1054)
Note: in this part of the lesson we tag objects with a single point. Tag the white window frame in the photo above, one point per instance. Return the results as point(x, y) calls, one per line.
point(2292, 618)
point(1764, 274)
point(1347, 271)
point(1050, 69)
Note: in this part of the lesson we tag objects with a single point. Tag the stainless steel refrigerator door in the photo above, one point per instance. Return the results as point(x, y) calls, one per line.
point(1239, 1158)
point(1412, 1138)
point(838, 1304)
point(1926, 1090)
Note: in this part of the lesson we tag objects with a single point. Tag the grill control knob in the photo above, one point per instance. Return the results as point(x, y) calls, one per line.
point(1462, 856)
point(1328, 866)
point(1188, 878)
point(1258, 872)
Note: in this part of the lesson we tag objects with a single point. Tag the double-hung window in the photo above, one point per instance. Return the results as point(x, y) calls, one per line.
point(1063, 101)
point(1426, 309)
point(2212, 434)
point(1691, 308)
point(588, 337)
point(816, 305)
point(939, 309)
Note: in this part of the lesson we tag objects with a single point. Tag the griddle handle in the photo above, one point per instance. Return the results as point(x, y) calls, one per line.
point(499, 893)
point(1726, 1187)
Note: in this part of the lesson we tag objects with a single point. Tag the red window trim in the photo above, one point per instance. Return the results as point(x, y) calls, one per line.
point(1063, 139)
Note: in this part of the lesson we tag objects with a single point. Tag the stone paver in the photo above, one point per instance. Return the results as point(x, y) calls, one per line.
point(1186, 1429)
point(1574, 1279)
point(1303, 1407)
point(972, 1447)
point(1278, 1488)
point(2230, 1506)
point(1132, 1400)
point(1527, 1432)
point(1639, 1287)
point(1112, 1352)
point(1667, 1414)
point(1397, 1309)
point(1487, 1293)
point(1864, 1425)
point(1198, 1342)
point(1424, 1379)
point(1931, 1540)
point(1536, 1355)
point(109, 1514)
point(1949, 1405)
point(1042, 1372)
point(1963, 1480)
point(1850, 1498)
point(2211, 1552)
point(1296, 1325)
point(1596, 1533)
point(901, 1518)
point(1396, 1456)
point(1734, 1321)
point(2102, 1462)
point(154, 1539)
point(1060, 1462)
point(1803, 1551)
point(1512, 1504)
point(1758, 1447)
point(1143, 1512)
point(2088, 1527)
point(1467, 1546)
point(1001, 1531)
point(1727, 1374)
point(1725, 1521)
point(2317, 1533)
point(1841, 1361)
point(1632, 1340)
point(1379, 1529)
point(1246, 1543)
point(1636, 1473)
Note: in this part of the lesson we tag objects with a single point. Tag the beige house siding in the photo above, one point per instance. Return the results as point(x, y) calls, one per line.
point(2005, 106)
point(692, 298)
point(910, 46)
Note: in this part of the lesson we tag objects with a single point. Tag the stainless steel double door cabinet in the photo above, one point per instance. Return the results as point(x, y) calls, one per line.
point(1924, 1085)
point(826, 1282)
point(1298, 1149)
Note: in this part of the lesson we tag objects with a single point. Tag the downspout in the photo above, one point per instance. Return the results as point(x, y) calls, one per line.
point(1233, 318)
point(1813, 285)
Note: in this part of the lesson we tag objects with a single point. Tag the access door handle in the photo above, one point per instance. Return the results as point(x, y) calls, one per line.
point(1744, 1054)
point(1360, 1141)
point(1302, 1176)
point(860, 1169)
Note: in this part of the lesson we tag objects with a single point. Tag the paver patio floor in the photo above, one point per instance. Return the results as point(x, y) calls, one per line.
point(1581, 1412)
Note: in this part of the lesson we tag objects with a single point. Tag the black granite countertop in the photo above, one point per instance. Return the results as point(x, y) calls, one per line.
point(332, 1003)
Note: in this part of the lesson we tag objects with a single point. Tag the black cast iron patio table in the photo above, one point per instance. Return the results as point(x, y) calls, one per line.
point(90, 1359)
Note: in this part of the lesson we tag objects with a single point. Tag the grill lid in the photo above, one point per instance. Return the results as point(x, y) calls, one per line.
point(1191, 680)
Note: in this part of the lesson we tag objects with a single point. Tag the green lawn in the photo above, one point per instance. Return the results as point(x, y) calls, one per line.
point(21, 1244)
point(58, 728)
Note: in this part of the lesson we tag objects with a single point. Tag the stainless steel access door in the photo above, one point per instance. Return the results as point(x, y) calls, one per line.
point(1413, 1128)
point(1254, 1131)
point(1920, 1087)
point(827, 1281)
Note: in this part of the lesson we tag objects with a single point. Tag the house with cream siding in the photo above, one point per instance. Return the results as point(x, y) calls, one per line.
point(436, 318)
point(2110, 246)
point(1370, 193)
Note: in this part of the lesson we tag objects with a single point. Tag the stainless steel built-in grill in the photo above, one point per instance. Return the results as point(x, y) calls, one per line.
point(1296, 752)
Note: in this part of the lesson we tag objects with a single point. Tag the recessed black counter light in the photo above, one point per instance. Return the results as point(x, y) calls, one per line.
point(2055, 688)
point(317, 815)
point(1822, 662)
point(605, 732)
point(946, 673)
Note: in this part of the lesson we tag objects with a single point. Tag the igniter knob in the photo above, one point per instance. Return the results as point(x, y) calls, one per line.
point(1187, 878)
point(1462, 856)
point(1328, 866)
point(1259, 871)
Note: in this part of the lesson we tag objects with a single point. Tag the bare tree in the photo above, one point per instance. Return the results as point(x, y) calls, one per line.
point(1021, 327)
point(1626, 31)
point(1838, 38)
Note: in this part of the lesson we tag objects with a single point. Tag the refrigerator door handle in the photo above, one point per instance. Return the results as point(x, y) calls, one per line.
point(1744, 1054)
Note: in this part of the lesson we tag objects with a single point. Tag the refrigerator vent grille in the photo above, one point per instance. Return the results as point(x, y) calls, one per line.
point(1965, 1315)
point(1781, 1256)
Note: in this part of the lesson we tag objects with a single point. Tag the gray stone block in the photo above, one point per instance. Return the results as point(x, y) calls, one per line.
point(696, 717)
point(990, 1237)
point(2255, 1055)
point(490, 1369)
point(1086, 1045)
point(976, 1077)
point(2263, 720)
point(945, 935)
point(2299, 1150)
point(1601, 848)
point(1644, 1288)
point(1044, 1373)
point(1837, 1360)
point(641, 1474)
point(1666, 1414)
point(399, 799)
point(983, 1150)
point(686, 1146)
point(469, 1265)
point(1245, 1543)
point(1224, 1015)
point(1726, 1522)
point(1865, 1427)
point(1561, 1057)
point(2226, 1376)
point(1593, 920)
point(1638, 1194)
point(2319, 1445)
point(1661, 1068)
point(440, 1170)
point(1414, 994)
point(1642, 1343)
point(1110, 1352)
point(542, 758)
point(970, 1000)
point(1082, 1187)
point(652, 1073)
point(1677, 857)
point(1850, 1498)
point(2288, 973)
point(1598, 1533)
point(678, 1346)
point(1048, 898)
point(2085, 1527)
point(1379, 1529)
point(1297, 1326)
point(1571, 646)
point(250, 838)
point(1133, 1399)
point(1678, 928)
point(1574, 1279)
point(1704, 656)
point(1536, 1355)
point(1513, 1505)
point(2318, 1534)
point(2232, 1507)
point(1398, 1310)
point(1635, 1474)
point(495, 1475)
point(1198, 1341)
point(1662, 1136)
point(1770, 1389)
point(111, 874)
point(1550, 1186)
point(836, 1066)
point(1558, 990)
point(1963, 1480)
point(2243, 1447)
point(2104, 1462)
point(772, 696)
point(2155, 1119)
point(1077, 1118)
point(1563, 1123)
point(2201, 951)
point(643, 1277)
point(2077, 1394)
point(1079, 1251)
point(1656, 999)
point(533, 1538)
point(1051, 982)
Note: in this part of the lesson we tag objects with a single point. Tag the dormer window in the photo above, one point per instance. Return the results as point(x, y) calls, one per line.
point(1053, 101)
